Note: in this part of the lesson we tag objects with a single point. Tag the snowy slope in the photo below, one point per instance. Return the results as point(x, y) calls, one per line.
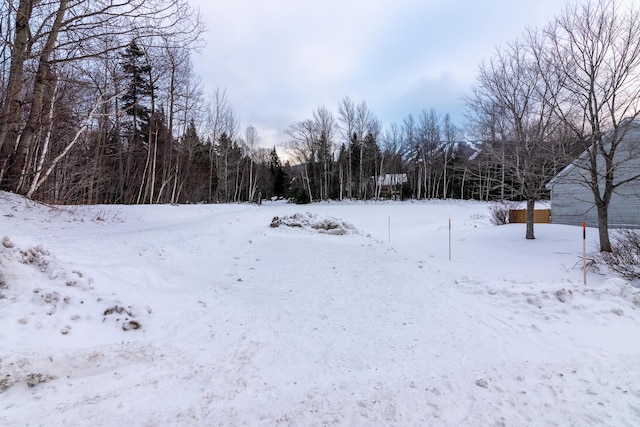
point(205, 315)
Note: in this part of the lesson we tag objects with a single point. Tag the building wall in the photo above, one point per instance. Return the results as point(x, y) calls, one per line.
point(572, 202)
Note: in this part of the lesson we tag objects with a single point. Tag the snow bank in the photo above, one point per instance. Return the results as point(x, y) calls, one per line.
point(205, 315)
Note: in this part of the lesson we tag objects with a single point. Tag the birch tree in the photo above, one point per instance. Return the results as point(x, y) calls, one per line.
point(69, 32)
point(251, 141)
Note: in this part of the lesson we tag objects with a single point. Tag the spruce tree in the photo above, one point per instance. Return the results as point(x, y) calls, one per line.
point(136, 71)
point(278, 174)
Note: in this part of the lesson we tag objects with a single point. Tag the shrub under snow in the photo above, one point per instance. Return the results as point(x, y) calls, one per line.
point(624, 259)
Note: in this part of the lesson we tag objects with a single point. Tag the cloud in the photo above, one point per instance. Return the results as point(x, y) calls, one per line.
point(442, 93)
point(279, 60)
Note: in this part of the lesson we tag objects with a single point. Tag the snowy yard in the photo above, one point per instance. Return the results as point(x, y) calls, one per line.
point(344, 314)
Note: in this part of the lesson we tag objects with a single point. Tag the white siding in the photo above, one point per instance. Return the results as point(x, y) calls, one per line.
point(572, 202)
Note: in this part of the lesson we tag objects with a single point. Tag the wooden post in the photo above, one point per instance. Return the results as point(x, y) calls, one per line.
point(584, 251)
point(449, 239)
point(389, 229)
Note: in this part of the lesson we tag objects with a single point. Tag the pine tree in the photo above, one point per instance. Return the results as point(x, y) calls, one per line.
point(355, 151)
point(138, 88)
point(201, 179)
point(278, 175)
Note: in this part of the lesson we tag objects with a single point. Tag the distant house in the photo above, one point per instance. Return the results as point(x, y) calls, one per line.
point(572, 201)
point(390, 184)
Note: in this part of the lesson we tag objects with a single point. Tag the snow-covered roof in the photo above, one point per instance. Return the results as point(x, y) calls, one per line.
point(392, 179)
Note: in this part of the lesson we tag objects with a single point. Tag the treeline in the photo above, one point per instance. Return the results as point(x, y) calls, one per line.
point(93, 95)
point(350, 155)
point(99, 104)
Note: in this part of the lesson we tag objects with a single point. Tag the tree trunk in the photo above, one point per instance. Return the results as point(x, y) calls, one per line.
point(379, 175)
point(9, 126)
point(174, 196)
point(306, 173)
point(444, 174)
point(45, 145)
point(464, 176)
point(65, 151)
point(349, 174)
point(341, 180)
point(361, 170)
point(603, 227)
point(531, 205)
point(212, 170)
point(42, 82)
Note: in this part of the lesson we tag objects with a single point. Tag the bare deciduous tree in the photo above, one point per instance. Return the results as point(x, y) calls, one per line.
point(221, 130)
point(346, 126)
point(592, 53)
point(301, 146)
point(251, 151)
point(451, 135)
point(50, 34)
point(324, 126)
point(509, 85)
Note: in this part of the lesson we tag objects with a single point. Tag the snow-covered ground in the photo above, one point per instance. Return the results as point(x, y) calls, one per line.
point(340, 314)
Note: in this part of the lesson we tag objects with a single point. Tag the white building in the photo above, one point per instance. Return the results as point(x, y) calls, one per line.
point(572, 201)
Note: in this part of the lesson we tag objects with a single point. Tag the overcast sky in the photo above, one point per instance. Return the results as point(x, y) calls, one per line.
point(278, 60)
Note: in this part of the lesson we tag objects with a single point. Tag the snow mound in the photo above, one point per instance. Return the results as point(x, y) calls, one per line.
point(316, 223)
point(13, 205)
point(57, 297)
point(564, 300)
point(45, 300)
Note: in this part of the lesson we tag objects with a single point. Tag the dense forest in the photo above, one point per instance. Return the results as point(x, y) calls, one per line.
point(100, 104)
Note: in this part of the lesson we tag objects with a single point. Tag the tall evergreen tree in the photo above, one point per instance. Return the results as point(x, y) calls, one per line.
point(355, 151)
point(199, 180)
point(278, 174)
point(371, 163)
point(136, 71)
